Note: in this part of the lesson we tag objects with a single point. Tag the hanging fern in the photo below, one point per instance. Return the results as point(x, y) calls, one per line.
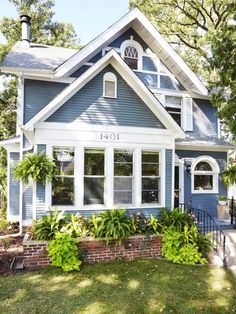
point(229, 175)
point(39, 168)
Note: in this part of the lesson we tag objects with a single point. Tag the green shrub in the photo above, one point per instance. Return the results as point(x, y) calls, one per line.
point(3, 225)
point(63, 252)
point(113, 224)
point(6, 243)
point(175, 218)
point(181, 246)
point(39, 168)
point(46, 227)
point(93, 224)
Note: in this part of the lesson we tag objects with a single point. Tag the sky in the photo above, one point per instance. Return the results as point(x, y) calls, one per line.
point(89, 18)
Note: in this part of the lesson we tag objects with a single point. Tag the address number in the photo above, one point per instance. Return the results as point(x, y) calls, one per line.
point(110, 136)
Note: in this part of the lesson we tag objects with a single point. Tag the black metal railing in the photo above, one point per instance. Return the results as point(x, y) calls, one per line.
point(207, 224)
point(232, 208)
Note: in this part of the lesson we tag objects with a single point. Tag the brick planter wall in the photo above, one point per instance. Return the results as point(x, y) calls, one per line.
point(94, 250)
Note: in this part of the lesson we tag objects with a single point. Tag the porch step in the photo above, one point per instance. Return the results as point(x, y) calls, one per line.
point(231, 248)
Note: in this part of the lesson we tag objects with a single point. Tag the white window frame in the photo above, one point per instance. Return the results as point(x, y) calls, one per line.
point(215, 174)
point(177, 106)
point(135, 44)
point(79, 149)
point(109, 77)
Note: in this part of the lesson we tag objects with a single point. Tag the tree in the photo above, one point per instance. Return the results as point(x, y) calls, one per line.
point(188, 25)
point(223, 79)
point(43, 31)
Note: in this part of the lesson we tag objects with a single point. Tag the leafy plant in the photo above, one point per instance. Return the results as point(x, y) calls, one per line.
point(39, 168)
point(138, 223)
point(175, 218)
point(46, 227)
point(63, 252)
point(94, 223)
point(222, 198)
point(77, 226)
point(181, 246)
point(6, 243)
point(155, 227)
point(114, 224)
point(204, 244)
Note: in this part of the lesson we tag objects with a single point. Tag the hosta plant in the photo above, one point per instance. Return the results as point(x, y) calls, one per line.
point(176, 218)
point(39, 168)
point(63, 252)
point(181, 246)
point(113, 225)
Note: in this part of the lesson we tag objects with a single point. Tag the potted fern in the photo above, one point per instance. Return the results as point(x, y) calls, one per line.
point(37, 168)
point(222, 200)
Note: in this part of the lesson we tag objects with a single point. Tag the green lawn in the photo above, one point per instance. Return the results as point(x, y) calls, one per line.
point(121, 287)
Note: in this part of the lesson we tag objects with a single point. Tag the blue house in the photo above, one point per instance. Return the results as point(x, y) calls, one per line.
point(128, 123)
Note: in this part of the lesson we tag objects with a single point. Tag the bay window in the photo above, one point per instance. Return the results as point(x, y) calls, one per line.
point(94, 176)
point(123, 177)
point(150, 177)
point(63, 184)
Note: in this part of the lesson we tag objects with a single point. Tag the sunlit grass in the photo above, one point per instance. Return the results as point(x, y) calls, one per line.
point(121, 287)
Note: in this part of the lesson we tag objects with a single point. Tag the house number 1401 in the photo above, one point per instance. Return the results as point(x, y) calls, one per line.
point(110, 136)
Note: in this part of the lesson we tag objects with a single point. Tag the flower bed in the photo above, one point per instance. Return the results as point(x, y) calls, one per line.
point(96, 250)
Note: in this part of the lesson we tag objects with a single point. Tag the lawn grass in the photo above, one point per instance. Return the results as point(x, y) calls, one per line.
point(147, 286)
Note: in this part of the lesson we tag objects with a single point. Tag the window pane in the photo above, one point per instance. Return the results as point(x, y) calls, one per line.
point(121, 169)
point(94, 162)
point(203, 182)
point(150, 190)
point(149, 169)
point(93, 191)
point(150, 157)
point(123, 184)
point(176, 117)
point(132, 63)
point(203, 166)
point(123, 156)
point(123, 197)
point(64, 159)
point(63, 191)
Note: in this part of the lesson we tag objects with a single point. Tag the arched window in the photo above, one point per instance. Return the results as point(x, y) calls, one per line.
point(131, 57)
point(205, 171)
point(132, 52)
point(109, 85)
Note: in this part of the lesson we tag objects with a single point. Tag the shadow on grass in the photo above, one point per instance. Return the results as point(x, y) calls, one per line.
point(121, 287)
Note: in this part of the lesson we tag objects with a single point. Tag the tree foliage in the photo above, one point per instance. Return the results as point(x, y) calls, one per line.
point(188, 24)
point(43, 31)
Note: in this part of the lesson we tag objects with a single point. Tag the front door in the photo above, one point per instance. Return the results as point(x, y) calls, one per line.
point(178, 185)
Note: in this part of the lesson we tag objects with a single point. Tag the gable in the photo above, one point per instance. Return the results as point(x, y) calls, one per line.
point(89, 106)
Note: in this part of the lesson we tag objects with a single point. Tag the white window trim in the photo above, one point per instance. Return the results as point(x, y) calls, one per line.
point(110, 77)
point(215, 173)
point(109, 179)
point(136, 45)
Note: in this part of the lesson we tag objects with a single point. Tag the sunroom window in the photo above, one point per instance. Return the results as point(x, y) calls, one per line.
point(205, 176)
point(150, 177)
point(94, 176)
point(63, 184)
point(123, 177)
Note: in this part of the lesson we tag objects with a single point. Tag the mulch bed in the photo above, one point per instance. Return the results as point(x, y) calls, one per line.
point(6, 258)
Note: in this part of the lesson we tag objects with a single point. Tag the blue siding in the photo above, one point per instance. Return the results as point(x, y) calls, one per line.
point(126, 35)
point(203, 201)
point(26, 143)
point(37, 95)
point(89, 106)
point(80, 71)
point(204, 119)
point(169, 174)
point(41, 191)
point(27, 202)
point(14, 187)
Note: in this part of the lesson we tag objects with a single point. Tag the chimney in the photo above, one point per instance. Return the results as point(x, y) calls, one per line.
point(25, 30)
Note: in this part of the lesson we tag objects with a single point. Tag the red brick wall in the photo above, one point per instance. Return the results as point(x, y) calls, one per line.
point(94, 251)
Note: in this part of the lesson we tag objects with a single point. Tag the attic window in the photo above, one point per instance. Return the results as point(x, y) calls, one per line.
point(109, 85)
point(131, 57)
